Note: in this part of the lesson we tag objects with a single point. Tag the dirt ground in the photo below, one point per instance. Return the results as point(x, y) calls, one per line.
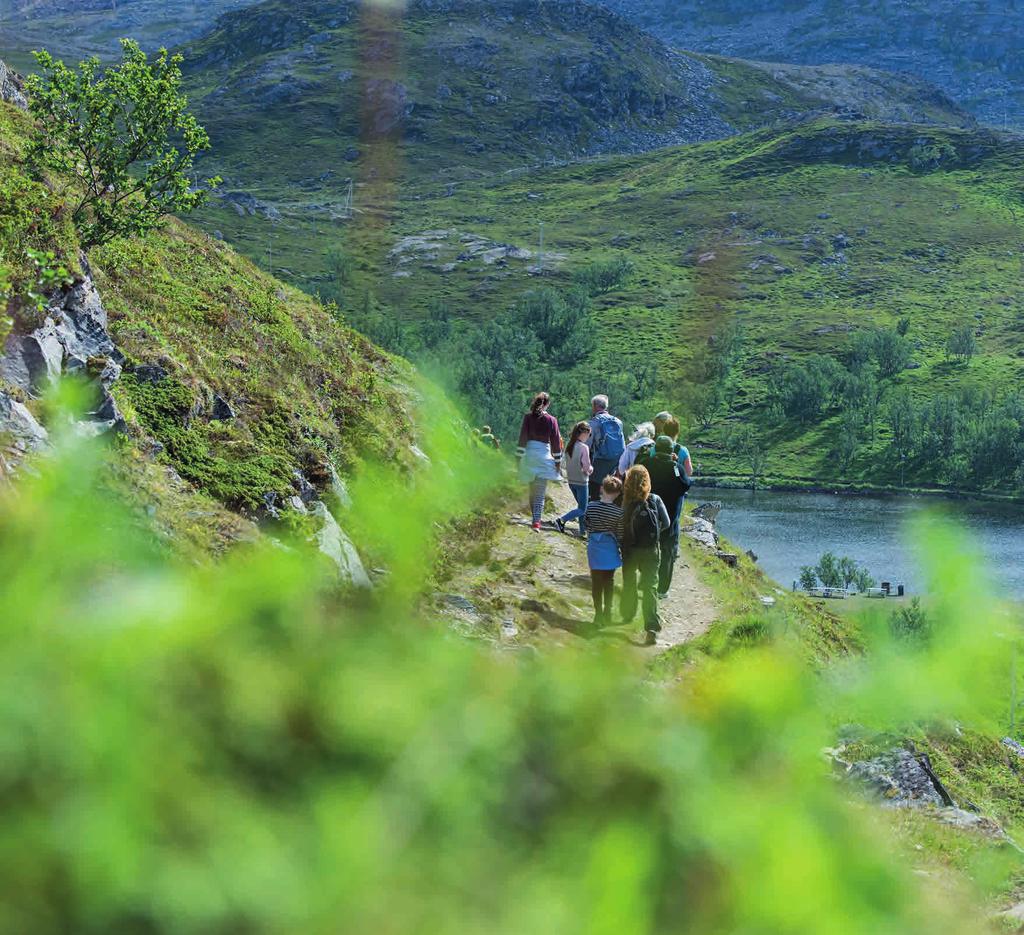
point(537, 586)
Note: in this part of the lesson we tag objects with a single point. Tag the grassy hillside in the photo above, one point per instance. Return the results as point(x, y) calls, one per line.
point(204, 332)
point(467, 88)
point(756, 251)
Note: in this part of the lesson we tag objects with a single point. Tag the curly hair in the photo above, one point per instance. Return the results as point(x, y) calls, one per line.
point(637, 487)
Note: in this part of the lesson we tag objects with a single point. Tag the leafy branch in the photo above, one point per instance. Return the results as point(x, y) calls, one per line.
point(121, 139)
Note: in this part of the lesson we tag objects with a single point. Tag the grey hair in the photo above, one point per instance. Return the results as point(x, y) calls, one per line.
point(643, 430)
point(600, 402)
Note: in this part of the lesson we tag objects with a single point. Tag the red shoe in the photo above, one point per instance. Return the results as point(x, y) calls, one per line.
point(536, 527)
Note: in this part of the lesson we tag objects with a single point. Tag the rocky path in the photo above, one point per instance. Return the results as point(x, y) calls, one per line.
point(544, 583)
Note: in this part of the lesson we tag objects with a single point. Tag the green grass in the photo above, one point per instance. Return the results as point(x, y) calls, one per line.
point(310, 394)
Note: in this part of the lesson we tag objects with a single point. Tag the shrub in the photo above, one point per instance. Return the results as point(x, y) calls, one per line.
point(122, 141)
point(605, 275)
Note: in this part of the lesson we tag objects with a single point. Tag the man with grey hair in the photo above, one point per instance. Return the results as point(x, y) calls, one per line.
point(606, 443)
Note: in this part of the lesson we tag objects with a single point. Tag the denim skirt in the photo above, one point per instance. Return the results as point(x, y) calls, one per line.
point(603, 553)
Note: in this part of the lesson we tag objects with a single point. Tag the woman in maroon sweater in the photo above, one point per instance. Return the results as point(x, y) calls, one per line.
point(539, 453)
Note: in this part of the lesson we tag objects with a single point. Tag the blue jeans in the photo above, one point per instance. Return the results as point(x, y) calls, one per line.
point(582, 494)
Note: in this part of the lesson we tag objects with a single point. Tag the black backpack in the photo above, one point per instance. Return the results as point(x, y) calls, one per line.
point(645, 530)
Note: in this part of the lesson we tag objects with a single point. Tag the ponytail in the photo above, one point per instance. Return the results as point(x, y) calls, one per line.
point(538, 404)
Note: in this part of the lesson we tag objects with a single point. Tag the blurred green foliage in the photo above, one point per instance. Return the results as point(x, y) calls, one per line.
point(239, 749)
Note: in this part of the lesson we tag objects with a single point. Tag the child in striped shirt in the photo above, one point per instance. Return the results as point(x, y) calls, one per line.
point(604, 551)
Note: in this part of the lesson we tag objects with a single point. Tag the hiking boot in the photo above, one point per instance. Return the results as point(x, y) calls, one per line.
point(663, 595)
point(650, 638)
point(560, 524)
point(535, 527)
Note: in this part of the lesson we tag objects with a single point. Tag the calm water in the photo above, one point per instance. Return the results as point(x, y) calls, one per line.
point(789, 530)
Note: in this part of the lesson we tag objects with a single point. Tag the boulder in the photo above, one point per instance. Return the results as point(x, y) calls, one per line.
point(33, 361)
point(702, 532)
point(11, 89)
point(708, 511)
point(222, 410)
point(332, 541)
point(20, 433)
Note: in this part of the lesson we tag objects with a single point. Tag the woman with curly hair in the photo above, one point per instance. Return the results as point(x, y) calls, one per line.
point(645, 519)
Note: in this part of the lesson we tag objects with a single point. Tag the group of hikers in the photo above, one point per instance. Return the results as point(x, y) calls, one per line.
point(629, 500)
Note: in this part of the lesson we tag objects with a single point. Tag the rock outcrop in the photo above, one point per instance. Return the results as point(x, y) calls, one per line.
point(72, 339)
point(11, 88)
point(332, 542)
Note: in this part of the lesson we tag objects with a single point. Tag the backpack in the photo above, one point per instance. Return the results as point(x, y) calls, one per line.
point(645, 530)
point(610, 445)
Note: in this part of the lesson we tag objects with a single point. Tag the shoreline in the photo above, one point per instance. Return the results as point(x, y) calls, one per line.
point(782, 485)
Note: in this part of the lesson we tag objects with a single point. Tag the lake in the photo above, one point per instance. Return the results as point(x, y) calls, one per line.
point(789, 530)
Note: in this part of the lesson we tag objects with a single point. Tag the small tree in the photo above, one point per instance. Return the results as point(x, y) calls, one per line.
point(962, 344)
point(808, 578)
point(122, 140)
point(751, 450)
point(828, 571)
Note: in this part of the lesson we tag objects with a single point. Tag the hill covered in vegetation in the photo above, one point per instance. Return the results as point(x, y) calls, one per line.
point(811, 284)
point(231, 397)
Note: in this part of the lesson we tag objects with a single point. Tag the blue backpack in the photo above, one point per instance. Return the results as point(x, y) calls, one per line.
point(609, 443)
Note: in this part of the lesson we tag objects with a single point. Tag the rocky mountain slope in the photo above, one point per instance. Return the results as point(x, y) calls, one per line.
point(76, 29)
point(234, 400)
point(485, 86)
point(971, 50)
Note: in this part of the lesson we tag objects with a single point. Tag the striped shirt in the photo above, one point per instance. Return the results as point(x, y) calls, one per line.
point(604, 517)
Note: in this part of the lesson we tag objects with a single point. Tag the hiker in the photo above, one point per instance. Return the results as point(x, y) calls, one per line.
point(488, 438)
point(667, 424)
point(577, 471)
point(644, 520)
point(604, 551)
point(606, 443)
point(639, 441)
point(539, 453)
point(670, 482)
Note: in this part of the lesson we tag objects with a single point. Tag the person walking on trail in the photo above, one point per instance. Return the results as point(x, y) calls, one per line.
point(669, 482)
point(539, 453)
point(604, 549)
point(577, 471)
point(641, 440)
point(606, 443)
point(489, 439)
point(644, 520)
point(667, 424)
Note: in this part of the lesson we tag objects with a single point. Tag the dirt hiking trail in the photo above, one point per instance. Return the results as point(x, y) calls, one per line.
point(537, 584)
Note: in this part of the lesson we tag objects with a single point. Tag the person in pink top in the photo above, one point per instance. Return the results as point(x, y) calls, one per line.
point(577, 471)
point(539, 453)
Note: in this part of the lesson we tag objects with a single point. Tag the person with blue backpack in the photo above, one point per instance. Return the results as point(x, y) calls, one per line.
point(645, 519)
point(607, 443)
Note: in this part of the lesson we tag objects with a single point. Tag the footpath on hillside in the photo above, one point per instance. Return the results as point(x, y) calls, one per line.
point(531, 583)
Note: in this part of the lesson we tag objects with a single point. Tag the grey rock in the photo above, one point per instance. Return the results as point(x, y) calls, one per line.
point(20, 433)
point(708, 511)
point(1013, 745)
point(306, 491)
point(11, 89)
point(332, 542)
point(222, 410)
point(150, 373)
point(339, 488)
point(461, 604)
point(81, 325)
point(296, 504)
point(702, 532)
point(32, 362)
point(901, 779)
